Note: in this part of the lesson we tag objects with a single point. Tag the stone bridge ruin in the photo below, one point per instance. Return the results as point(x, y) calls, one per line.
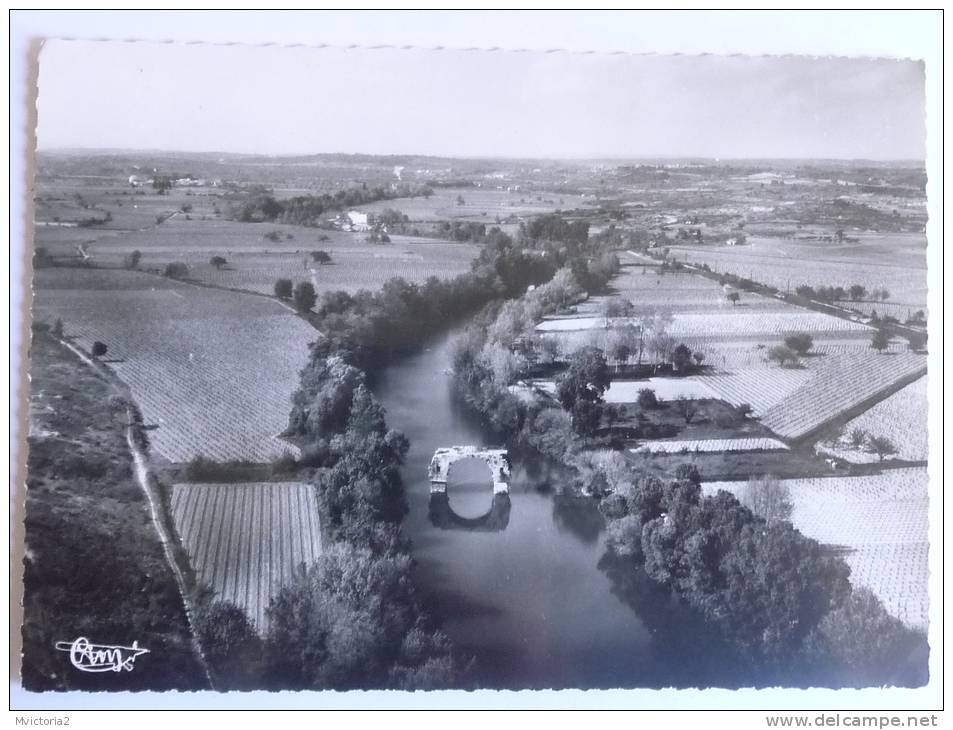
point(443, 459)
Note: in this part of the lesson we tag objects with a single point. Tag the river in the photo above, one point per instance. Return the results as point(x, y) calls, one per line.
point(521, 591)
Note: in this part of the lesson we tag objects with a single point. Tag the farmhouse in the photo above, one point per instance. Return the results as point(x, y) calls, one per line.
point(354, 221)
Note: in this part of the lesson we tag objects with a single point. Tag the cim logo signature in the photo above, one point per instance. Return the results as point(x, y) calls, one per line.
point(88, 657)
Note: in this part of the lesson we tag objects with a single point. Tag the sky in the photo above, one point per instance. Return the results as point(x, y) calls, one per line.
point(301, 100)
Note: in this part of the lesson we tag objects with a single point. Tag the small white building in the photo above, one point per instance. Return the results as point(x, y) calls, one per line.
point(357, 221)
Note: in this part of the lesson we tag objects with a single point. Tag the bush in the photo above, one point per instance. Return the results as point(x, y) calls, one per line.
point(284, 288)
point(321, 257)
point(218, 261)
point(99, 349)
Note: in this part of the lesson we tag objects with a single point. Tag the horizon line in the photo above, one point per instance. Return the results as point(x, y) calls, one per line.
point(488, 157)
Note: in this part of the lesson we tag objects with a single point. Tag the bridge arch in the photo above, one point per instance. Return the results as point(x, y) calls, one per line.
point(496, 459)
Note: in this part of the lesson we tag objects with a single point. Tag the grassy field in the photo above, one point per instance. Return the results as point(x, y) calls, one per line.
point(352, 269)
point(881, 523)
point(94, 565)
point(245, 540)
point(190, 356)
point(627, 391)
point(257, 253)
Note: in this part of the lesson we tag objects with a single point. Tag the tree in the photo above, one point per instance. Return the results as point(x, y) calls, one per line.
point(682, 358)
point(782, 354)
point(460, 200)
point(284, 288)
point(768, 498)
point(686, 408)
point(661, 346)
point(883, 295)
point(699, 358)
point(321, 257)
point(858, 437)
point(917, 341)
point(620, 350)
point(230, 644)
point(647, 399)
point(800, 342)
point(880, 340)
point(218, 261)
point(858, 292)
point(580, 389)
point(881, 446)
point(349, 620)
point(99, 349)
point(161, 184)
point(859, 644)
point(549, 349)
point(176, 270)
point(805, 291)
point(304, 296)
point(733, 297)
point(132, 259)
point(616, 307)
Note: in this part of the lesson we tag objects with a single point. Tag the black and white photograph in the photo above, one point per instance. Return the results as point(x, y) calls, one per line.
point(421, 369)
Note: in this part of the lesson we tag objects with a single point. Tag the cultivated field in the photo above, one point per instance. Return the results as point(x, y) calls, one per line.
point(480, 204)
point(190, 355)
point(902, 418)
point(759, 387)
point(711, 445)
point(896, 262)
point(246, 540)
point(880, 520)
point(745, 325)
point(838, 386)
